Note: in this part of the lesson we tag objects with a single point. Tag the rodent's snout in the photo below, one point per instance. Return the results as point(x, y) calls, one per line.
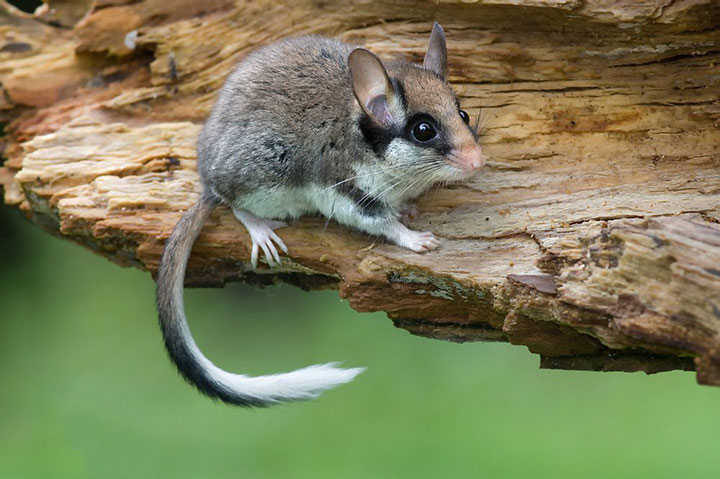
point(469, 157)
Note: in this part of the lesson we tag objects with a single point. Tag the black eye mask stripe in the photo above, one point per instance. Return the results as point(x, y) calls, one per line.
point(379, 137)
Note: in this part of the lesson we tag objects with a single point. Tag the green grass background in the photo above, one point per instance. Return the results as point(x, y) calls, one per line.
point(88, 392)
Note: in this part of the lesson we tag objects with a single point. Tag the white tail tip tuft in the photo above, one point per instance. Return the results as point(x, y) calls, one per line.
point(306, 383)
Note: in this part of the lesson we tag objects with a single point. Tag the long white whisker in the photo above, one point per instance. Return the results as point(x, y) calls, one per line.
point(383, 169)
point(431, 168)
point(419, 174)
point(426, 174)
point(374, 191)
point(432, 179)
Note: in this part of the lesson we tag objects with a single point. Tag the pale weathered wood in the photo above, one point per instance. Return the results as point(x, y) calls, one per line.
point(592, 237)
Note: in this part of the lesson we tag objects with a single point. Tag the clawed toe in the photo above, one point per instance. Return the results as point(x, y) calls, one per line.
point(415, 240)
point(264, 241)
point(278, 241)
point(425, 241)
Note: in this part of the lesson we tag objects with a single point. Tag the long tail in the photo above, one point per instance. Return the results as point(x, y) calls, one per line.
point(212, 381)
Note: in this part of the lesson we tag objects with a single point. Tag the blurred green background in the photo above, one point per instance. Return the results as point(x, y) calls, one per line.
point(88, 392)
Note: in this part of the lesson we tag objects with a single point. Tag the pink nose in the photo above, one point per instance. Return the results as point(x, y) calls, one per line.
point(470, 157)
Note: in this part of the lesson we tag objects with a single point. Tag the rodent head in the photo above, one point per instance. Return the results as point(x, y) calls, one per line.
point(411, 116)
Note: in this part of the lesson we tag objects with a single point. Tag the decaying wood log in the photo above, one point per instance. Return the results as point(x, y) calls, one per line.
point(592, 237)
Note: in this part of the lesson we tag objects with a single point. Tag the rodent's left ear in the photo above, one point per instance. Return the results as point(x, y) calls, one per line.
point(371, 85)
point(436, 56)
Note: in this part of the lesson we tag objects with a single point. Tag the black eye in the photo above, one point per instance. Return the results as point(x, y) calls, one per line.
point(424, 132)
point(465, 117)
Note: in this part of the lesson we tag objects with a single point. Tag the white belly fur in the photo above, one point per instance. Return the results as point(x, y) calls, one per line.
point(278, 202)
point(281, 202)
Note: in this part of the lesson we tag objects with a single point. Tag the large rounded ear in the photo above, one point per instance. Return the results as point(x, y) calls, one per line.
point(436, 56)
point(371, 85)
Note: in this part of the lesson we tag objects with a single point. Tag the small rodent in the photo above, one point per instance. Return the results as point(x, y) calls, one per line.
point(313, 125)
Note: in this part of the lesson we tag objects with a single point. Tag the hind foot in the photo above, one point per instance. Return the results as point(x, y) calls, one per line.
point(263, 237)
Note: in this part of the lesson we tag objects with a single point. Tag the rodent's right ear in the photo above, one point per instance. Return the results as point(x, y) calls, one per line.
point(371, 85)
point(436, 55)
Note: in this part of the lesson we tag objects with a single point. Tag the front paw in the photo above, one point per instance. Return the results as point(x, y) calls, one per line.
point(418, 241)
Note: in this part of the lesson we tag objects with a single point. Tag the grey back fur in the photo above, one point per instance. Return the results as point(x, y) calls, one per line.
point(283, 117)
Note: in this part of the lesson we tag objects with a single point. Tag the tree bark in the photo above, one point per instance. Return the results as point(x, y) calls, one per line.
point(592, 236)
